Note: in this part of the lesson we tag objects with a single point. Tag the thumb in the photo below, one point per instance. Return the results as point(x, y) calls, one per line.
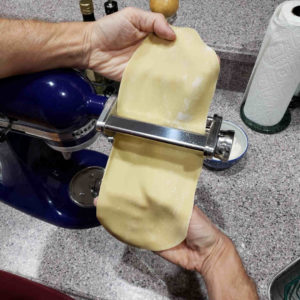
point(151, 22)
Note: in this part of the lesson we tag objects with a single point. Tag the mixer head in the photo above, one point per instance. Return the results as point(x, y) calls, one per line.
point(58, 106)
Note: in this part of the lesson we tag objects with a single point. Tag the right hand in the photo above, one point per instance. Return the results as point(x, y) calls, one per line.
point(211, 253)
point(204, 240)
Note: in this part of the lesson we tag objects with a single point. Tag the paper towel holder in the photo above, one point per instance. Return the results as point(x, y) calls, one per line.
point(283, 124)
point(273, 85)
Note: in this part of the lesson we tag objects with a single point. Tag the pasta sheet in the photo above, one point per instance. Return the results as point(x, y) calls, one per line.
point(147, 192)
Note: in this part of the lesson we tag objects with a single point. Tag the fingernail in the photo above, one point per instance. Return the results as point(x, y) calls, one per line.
point(172, 33)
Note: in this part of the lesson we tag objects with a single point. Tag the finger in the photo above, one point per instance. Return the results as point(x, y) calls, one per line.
point(151, 22)
point(161, 27)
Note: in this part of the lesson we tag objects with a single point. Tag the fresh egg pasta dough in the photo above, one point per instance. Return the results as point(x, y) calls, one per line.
point(147, 193)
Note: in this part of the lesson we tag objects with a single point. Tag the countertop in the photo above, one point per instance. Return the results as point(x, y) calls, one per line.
point(234, 28)
point(232, 25)
point(256, 203)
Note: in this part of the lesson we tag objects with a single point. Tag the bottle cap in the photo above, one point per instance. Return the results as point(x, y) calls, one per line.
point(110, 7)
point(86, 7)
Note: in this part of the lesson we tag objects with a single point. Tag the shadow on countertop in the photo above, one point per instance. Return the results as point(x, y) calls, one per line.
point(180, 283)
point(209, 206)
point(92, 264)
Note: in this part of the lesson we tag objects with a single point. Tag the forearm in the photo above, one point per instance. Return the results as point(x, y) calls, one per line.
point(31, 46)
point(225, 276)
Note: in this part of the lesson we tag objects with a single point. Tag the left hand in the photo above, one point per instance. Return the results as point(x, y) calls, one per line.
point(113, 39)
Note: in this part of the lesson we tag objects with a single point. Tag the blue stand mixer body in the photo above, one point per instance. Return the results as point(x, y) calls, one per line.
point(34, 177)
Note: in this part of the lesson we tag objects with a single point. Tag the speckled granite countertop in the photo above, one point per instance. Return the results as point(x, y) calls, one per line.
point(256, 203)
point(235, 28)
point(231, 25)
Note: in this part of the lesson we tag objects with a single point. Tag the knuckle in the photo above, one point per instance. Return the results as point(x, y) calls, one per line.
point(129, 10)
point(160, 16)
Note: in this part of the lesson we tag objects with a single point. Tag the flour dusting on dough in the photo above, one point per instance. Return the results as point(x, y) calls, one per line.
point(183, 117)
point(208, 48)
point(196, 83)
point(187, 103)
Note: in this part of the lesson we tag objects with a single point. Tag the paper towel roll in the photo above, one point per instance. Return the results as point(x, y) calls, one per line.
point(297, 93)
point(276, 73)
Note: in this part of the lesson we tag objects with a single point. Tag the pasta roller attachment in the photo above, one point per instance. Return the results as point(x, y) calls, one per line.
point(215, 143)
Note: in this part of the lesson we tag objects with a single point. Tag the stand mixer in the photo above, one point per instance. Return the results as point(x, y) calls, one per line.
point(47, 119)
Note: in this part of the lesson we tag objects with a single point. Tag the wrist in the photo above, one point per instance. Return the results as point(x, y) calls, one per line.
point(95, 41)
point(224, 273)
point(86, 49)
point(211, 253)
point(77, 44)
point(215, 255)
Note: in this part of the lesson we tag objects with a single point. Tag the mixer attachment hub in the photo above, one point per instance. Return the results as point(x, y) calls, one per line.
point(85, 186)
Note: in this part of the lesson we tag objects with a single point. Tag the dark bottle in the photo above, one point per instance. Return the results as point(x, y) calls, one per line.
point(110, 7)
point(112, 86)
point(87, 10)
point(98, 81)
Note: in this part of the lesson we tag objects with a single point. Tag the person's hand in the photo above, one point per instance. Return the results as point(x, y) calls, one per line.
point(113, 39)
point(203, 241)
point(211, 253)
